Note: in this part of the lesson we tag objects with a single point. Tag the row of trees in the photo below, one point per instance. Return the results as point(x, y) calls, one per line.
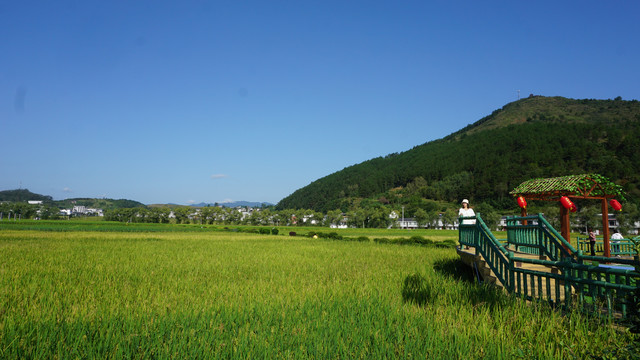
point(430, 215)
point(366, 217)
point(24, 210)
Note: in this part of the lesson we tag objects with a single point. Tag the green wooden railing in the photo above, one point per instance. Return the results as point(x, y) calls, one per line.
point(590, 282)
point(624, 247)
point(485, 243)
point(537, 237)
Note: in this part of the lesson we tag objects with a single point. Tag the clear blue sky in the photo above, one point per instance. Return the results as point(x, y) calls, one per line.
point(197, 101)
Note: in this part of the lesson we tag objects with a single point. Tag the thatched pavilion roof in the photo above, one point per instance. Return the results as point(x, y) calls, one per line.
point(585, 186)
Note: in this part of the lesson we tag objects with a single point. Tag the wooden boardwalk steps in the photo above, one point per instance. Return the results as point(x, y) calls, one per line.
point(546, 286)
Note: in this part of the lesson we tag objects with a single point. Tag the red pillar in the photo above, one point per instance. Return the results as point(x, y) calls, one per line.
point(523, 213)
point(605, 228)
point(565, 226)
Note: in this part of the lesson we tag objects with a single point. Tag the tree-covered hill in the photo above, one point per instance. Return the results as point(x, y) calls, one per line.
point(23, 195)
point(529, 138)
point(105, 204)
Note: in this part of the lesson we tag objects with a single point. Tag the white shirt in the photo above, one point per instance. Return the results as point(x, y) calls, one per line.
point(467, 212)
point(617, 236)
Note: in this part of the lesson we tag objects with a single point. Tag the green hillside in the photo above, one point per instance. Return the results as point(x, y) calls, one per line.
point(105, 204)
point(533, 137)
point(23, 195)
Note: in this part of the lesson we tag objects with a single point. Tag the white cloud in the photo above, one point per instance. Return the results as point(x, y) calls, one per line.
point(191, 202)
point(219, 176)
point(67, 190)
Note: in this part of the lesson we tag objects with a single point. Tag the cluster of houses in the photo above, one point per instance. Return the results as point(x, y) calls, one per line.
point(81, 211)
point(75, 211)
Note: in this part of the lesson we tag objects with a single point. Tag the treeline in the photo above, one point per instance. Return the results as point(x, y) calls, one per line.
point(588, 215)
point(223, 216)
point(545, 141)
point(378, 217)
point(24, 210)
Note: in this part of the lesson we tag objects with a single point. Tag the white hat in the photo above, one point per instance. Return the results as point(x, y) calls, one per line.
point(465, 201)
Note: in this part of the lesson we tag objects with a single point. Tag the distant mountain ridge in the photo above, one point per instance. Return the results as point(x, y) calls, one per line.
point(530, 138)
point(23, 195)
point(235, 204)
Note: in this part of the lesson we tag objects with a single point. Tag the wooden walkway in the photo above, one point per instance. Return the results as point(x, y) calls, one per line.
point(595, 284)
point(525, 284)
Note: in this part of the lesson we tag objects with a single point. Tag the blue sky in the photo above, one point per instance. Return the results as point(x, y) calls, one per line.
point(197, 101)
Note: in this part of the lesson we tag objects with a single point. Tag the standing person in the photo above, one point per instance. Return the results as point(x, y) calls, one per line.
point(592, 242)
point(465, 210)
point(616, 242)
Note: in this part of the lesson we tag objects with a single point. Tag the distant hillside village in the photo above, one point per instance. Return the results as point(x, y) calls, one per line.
point(246, 215)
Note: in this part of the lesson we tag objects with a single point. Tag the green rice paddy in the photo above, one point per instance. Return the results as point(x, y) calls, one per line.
point(91, 293)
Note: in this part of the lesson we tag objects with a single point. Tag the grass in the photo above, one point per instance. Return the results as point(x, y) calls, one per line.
point(210, 294)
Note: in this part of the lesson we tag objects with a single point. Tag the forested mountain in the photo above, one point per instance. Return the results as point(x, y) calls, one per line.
point(530, 138)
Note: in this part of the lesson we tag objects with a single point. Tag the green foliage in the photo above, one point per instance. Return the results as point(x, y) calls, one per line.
point(420, 240)
point(274, 231)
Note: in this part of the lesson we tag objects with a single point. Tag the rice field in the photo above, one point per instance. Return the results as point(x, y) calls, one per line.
point(217, 294)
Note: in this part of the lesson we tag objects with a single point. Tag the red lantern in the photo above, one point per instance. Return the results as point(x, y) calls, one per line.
point(574, 208)
point(567, 203)
point(522, 202)
point(615, 205)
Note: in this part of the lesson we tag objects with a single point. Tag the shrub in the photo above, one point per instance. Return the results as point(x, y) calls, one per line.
point(420, 240)
point(265, 231)
point(292, 233)
point(362, 238)
point(449, 243)
point(274, 231)
point(381, 240)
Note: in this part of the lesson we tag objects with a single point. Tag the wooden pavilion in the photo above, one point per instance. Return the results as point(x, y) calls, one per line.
point(585, 186)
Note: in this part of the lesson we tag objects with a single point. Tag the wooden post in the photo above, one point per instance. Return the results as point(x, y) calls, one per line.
point(523, 213)
point(565, 226)
point(605, 228)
